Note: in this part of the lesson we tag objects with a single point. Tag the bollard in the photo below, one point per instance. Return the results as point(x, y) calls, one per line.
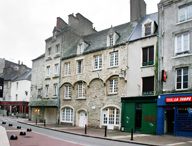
point(132, 134)
point(13, 137)
point(29, 129)
point(105, 131)
point(58, 121)
point(3, 115)
point(22, 133)
point(36, 121)
point(18, 127)
point(44, 122)
point(85, 129)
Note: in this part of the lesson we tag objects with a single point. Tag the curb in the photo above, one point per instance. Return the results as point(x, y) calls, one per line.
point(99, 137)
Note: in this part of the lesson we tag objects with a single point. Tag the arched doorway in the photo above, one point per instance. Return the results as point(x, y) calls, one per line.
point(82, 118)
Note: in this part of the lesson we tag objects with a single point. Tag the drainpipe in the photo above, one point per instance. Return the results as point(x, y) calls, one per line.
point(58, 106)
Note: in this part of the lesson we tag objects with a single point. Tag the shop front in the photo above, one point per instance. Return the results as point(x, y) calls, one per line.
point(43, 110)
point(174, 114)
point(140, 114)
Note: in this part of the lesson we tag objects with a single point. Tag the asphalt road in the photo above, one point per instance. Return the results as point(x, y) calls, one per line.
point(70, 138)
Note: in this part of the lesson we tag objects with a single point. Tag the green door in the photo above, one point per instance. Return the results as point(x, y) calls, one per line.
point(149, 118)
point(129, 116)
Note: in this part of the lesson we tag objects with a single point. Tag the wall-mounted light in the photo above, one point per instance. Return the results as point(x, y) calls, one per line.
point(122, 73)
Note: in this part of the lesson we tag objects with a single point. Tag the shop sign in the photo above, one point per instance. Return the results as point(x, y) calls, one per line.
point(164, 75)
point(179, 99)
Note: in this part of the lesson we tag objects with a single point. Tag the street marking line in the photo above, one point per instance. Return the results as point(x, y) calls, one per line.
point(176, 143)
point(61, 139)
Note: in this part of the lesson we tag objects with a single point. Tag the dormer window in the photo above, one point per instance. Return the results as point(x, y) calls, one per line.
point(147, 29)
point(111, 40)
point(80, 48)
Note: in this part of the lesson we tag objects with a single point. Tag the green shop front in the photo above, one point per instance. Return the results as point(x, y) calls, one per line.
point(139, 113)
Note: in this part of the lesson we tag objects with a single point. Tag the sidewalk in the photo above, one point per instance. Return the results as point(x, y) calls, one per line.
point(116, 135)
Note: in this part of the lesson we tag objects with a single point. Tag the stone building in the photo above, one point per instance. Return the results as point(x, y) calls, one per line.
point(93, 78)
point(175, 67)
point(44, 101)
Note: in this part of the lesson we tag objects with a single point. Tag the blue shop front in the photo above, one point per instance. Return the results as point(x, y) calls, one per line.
point(174, 114)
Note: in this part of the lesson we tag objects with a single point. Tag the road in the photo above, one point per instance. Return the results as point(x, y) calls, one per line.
point(66, 137)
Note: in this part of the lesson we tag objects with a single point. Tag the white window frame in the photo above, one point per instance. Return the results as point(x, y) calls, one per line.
point(57, 49)
point(81, 90)
point(8, 84)
point(114, 59)
point(146, 26)
point(79, 66)
point(17, 85)
point(111, 40)
point(56, 69)
point(55, 89)
point(40, 92)
point(67, 94)
point(185, 9)
point(47, 90)
point(111, 118)
point(113, 86)
point(64, 114)
point(97, 62)
point(49, 52)
point(182, 78)
point(183, 50)
point(48, 71)
point(67, 69)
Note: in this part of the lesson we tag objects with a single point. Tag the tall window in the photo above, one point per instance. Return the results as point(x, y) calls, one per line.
point(148, 56)
point(55, 89)
point(114, 59)
point(48, 71)
point(185, 13)
point(56, 69)
point(16, 97)
point(47, 90)
point(148, 86)
point(111, 40)
point(182, 44)
point(111, 116)
point(49, 52)
point(81, 90)
point(113, 88)
point(182, 78)
point(67, 69)
point(98, 62)
point(57, 49)
point(9, 84)
point(17, 85)
point(79, 66)
point(67, 91)
point(67, 115)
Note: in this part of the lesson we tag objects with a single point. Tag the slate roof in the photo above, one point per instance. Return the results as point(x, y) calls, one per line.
point(137, 33)
point(41, 56)
point(11, 76)
point(98, 41)
point(24, 76)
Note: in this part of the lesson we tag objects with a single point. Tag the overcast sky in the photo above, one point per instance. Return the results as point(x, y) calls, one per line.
point(25, 24)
